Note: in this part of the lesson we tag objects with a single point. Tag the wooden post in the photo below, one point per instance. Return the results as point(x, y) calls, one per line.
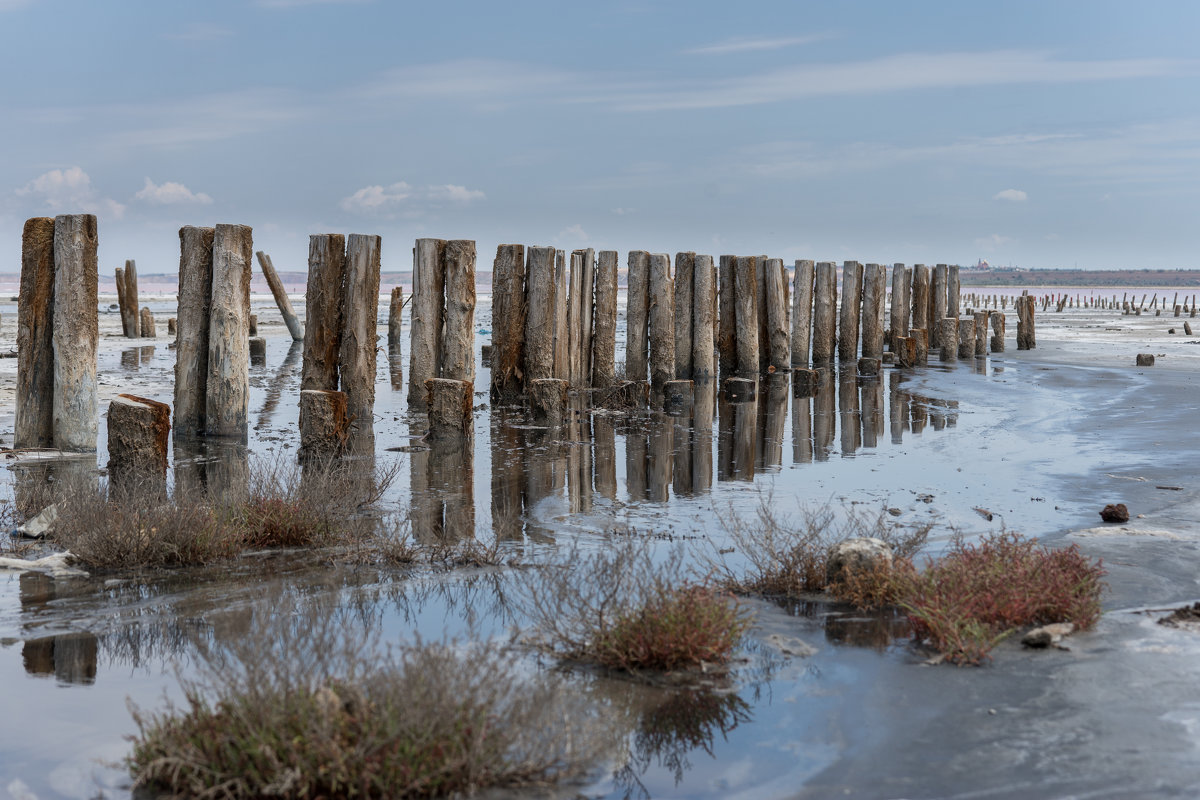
point(920, 298)
point(899, 307)
point(703, 348)
point(429, 287)
point(905, 348)
point(575, 320)
point(281, 299)
point(703, 406)
point(449, 402)
point(948, 336)
point(75, 332)
point(739, 390)
point(147, 324)
point(637, 316)
point(540, 308)
point(548, 400)
point(324, 423)
point(727, 316)
point(779, 338)
point(191, 345)
point(119, 279)
point(998, 321)
point(966, 337)
point(1026, 333)
point(227, 390)
point(920, 337)
point(745, 314)
point(138, 430)
point(561, 299)
point(129, 306)
point(802, 308)
point(34, 423)
point(457, 357)
point(850, 310)
point(587, 308)
point(508, 323)
point(170, 326)
point(981, 324)
point(604, 336)
point(874, 291)
point(805, 381)
point(252, 324)
point(763, 338)
point(685, 281)
point(953, 291)
point(824, 336)
point(258, 349)
point(395, 319)
point(662, 322)
point(323, 311)
point(937, 306)
point(677, 396)
point(360, 310)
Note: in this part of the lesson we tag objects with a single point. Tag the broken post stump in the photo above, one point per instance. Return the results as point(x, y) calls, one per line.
point(548, 401)
point(1026, 331)
point(147, 324)
point(739, 390)
point(966, 337)
point(138, 430)
point(745, 314)
point(868, 367)
point(280, 294)
point(677, 396)
point(324, 423)
point(449, 402)
point(76, 331)
point(981, 331)
point(998, 322)
point(170, 326)
point(948, 336)
point(1145, 359)
point(252, 326)
point(805, 381)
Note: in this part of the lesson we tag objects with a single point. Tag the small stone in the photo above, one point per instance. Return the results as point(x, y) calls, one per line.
point(1115, 513)
point(1145, 359)
point(1048, 635)
point(895, 512)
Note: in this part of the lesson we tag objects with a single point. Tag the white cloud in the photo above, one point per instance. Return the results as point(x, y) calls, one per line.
point(1011, 195)
point(69, 190)
point(402, 197)
point(744, 45)
point(170, 193)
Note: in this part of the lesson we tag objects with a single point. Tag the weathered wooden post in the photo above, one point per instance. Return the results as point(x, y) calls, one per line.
point(540, 309)
point(948, 337)
point(548, 400)
point(575, 320)
point(824, 337)
point(920, 299)
point(802, 308)
point(429, 287)
point(745, 314)
point(395, 318)
point(119, 280)
point(953, 291)
point(508, 323)
point(604, 334)
point(457, 356)
point(727, 316)
point(966, 337)
point(360, 310)
point(874, 289)
point(170, 326)
point(981, 325)
point(324, 423)
point(281, 299)
point(252, 323)
point(138, 430)
point(850, 310)
point(128, 290)
point(450, 403)
point(228, 385)
point(937, 306)
point(778, 337)
point(899, 309)
point(323, 311)
point(703, 350)
point(637, 316)
point(76, 331)
point(34, 423)
point(562, 367)
point(191, 346)
point(587, 303)
point(147, 324)
point(685, 280)
point(1026, 333)
point(662, 322)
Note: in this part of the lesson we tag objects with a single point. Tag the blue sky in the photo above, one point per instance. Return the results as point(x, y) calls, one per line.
point(1041, 134)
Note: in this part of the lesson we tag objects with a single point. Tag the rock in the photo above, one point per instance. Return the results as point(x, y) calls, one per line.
point(1145, 359)
point(1115, 513)
point(895, 512)
point(1048, 635)
point(1171, 331)
point(1187, 618)
point(856, 554)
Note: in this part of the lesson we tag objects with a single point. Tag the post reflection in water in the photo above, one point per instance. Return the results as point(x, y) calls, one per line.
point(508, 475)
point(802, 429)
point(703, 409)
point(284, 378)
point(825, 414)
point(69, 657)
point(660, 457)
point(772, 417)
point(443, 493)
point(735, 445)
point(579, 457)
point(395, 366)
point(897, 408)
point(849, 413)
point(605, 442)
point(871, 390)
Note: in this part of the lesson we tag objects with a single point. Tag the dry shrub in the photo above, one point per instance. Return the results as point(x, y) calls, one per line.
point(303, 707)
point(622, 609)
point(881, 585)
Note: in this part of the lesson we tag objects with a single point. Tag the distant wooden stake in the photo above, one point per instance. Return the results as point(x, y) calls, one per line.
point(281, 298)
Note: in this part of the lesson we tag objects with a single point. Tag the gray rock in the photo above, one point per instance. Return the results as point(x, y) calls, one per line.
point(854, 554)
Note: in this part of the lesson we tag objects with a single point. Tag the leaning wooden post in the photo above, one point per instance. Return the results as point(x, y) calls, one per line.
point(138, 430)
point(129, 307)
point(147, 324)
point(427, 303)
point(824, 336)
point(937, 305)
point(662, 322)
point(34, 423)
point(360, 309)
point(191, 346)
point(281, 299)
point(745, 314)
point(726, 316)
point(703, 350)
point(604, 336)
point(802, 308)
point(450, 403)
point(850, 310)
point(508, 323)
point(997, 342)
point(948, 336)
point(323, 311)
point(76, 331)
point(874, 289)
point(540, 309)
point(324, 423)
point(779, 339)
point(396, 318)
point(685, 280)
point(637, 316)
point(896, 312)
point(225, 407)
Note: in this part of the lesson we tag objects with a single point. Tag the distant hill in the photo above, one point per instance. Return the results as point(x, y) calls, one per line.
point(1080, 277)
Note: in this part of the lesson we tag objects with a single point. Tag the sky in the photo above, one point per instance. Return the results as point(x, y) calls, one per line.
point(1037, 134)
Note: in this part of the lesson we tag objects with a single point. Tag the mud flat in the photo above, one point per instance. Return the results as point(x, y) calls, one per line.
point(1041, 439)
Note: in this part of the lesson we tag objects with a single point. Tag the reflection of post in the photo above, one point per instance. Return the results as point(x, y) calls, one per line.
point(774, 400)
point(917, 414)
point(283, 377)
point(660, 457)
point(872, 410)
point(802, 433)
point(897, 408)
point(682, 456)
point(825, 415)
point(451, 481)
point(425, 512)
point(745, 424)
point(848, 410)
point(947, 328)
point(583, 443)
point(227, 471)
point(705, 394)
point(635, 462)
point(606, 457)
point(725, 434)
point(69, 657)
point(507, 476)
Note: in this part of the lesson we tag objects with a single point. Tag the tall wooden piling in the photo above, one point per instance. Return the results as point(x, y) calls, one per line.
point(575, 320)
point(824, 336)
point(429, 287)
point(360, 311)
point(919, 299)
point(75, 333)
point(34, 423)
point(779, 338)
point(850, 310)
point(953, 291)
point(282, 300)
point(587, 302)
point(138, 431)
point(897, 311)
point(508, 323)
point(562, 367)
point(662, 322)
point(456, 359)
point(874, 294)
point(540, 315)
point(323, 311)
point(726, 316)
point(703, 352)
point(1026, 332)
point(128, 288)
point(937, 306)
point(948, 338)
point(637, 316)
point(604, 333)
point(745, 314)
point(802, 309)
point(228, 385)
point(192, 314)
point(684, 287)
